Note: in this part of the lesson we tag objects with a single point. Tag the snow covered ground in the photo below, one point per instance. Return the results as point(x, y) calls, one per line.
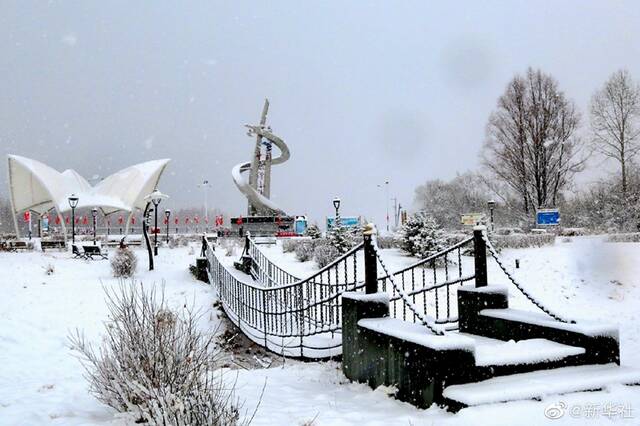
point(41, 382)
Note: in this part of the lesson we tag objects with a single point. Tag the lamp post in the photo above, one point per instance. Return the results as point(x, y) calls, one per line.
point(94, 213)
point(167, 215)
point(154, 198)
point(386, 186)
point(336, 205)
point(492, 204)
point(73, 203)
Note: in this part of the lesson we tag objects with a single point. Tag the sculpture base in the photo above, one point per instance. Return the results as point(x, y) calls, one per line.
point(263, 226)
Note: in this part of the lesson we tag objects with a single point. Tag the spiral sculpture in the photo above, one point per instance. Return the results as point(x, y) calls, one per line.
point(258, 198)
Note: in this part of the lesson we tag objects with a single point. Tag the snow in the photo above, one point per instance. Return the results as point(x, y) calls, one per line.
point(363, 297)
point(588, 328)
point(417, 333)
point(41, 382)
point(489, 289)
point(540, 383)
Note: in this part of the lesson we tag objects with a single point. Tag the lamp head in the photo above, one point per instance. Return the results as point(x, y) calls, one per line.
point(336, 203)
point(73, 201)
point(167, 213)
point(94, 212)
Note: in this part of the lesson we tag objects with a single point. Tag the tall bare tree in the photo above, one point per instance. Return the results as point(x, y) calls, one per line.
point(531, 143)
point(615, 112)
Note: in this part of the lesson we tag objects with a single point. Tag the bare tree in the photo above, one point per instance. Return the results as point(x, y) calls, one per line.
point(531, 143)
point(615, 110)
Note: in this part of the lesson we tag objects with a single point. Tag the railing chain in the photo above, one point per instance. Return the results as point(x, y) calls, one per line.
point(519, 286)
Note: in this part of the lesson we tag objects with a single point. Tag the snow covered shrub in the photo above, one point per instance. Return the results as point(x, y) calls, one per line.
point(340, 238)
point(522, 240)
point(573, 232)
point(155, 364)
point(124, 262)
point(325, 253)
point(389, 241)
point(313, 231)
point(421, 236)
point(624, 238)
point(289, 246)
point(49, 269)
point(192, 251)
point(304, 251)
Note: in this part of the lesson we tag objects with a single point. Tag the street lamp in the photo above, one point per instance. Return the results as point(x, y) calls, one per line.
point(336, 205)
point(386, 185)
point(492, 204)
point(205, 185)
point(94, 212)
point(73, 203)
point(167, 215)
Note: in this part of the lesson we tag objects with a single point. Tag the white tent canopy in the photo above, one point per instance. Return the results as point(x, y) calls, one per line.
point(37, 187)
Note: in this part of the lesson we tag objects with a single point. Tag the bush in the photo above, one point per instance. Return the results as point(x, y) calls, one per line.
point(154, 363)
point(304, 251)
point(49, 269)
point(341, 238)
point(572, 232)
point(421, 237)
point(313, 231)
point(633, 237)
point(124, 263)
point(289, 246)
point(388, 242)
point(325, 253)
point(522, 240)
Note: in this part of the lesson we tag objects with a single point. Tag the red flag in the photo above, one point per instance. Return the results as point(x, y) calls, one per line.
point(186, 220)
point(165, 221)
point(239, 221)
point(85, 220)
point(206, 219)
point(196, 219)
point(176, 220)
point(77, 220)
point(27, 216)
point(67, 221)
point(133, 220)
point(57, 220)
point(121, 220)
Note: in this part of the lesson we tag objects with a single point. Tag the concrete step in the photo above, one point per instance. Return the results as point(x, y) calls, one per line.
point(537, 384)
point(494, 352)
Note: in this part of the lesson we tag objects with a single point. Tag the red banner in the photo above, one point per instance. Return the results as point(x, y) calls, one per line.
point(121, 220)
point(176, 220)
point(27, 216)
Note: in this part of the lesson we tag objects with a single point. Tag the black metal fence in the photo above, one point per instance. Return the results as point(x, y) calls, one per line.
point(431, 284)
point(301, 318)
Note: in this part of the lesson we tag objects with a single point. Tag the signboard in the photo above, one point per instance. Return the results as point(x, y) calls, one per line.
point(548, 217)
point(346, 221)
point(472, 219)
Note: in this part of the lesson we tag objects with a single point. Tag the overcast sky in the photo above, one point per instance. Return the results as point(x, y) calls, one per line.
point(360, 91)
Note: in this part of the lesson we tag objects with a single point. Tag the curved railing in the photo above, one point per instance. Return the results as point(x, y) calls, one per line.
point(299, 319)
point(265, 271)
point(431, 285)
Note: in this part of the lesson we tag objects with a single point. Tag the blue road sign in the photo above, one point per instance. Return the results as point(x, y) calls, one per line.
point(346, 221)
point(548, 217)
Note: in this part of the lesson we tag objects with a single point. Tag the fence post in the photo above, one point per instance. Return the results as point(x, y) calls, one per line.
point(370, 261)
point(480, 256)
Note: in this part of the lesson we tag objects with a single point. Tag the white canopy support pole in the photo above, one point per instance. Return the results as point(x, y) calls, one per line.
point(13, 209)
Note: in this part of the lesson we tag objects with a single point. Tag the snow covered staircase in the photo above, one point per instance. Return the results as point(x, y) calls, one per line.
point(499, 354)
point(537, 384)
